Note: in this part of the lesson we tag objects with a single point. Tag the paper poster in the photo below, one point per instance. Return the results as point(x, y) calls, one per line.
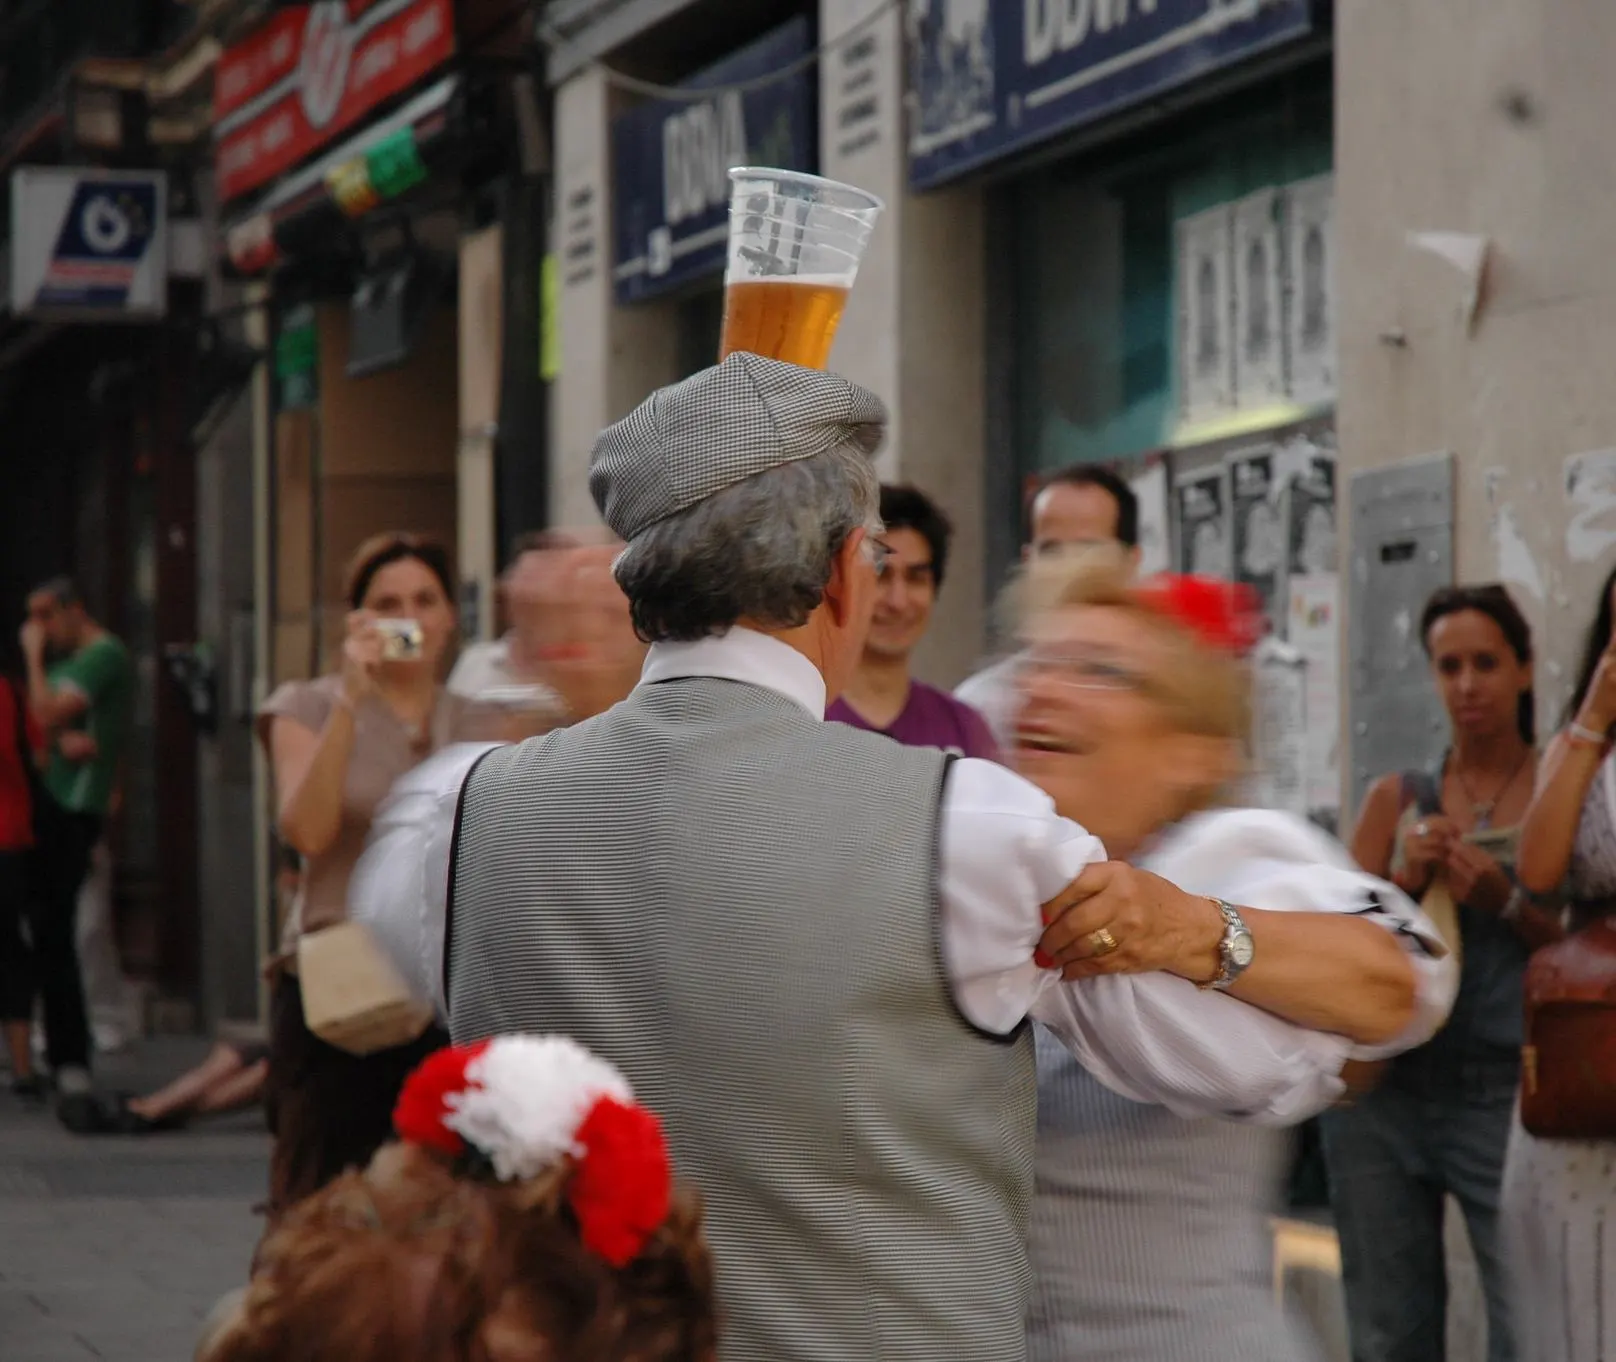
point(1206, 314)
point(1259, 293)
point(1280, 728)
point(1257, 532)
point(1201, 503)
point(1310, 323)
point(1155, 542)
point(1314, 631)
point(1311, 512)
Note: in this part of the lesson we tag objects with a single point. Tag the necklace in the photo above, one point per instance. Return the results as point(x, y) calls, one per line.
point(1482, 809)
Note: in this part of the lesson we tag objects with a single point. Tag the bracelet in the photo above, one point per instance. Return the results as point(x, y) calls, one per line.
point(1584, 736)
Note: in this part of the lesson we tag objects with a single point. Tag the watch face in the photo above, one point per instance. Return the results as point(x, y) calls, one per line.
point(1241, 950)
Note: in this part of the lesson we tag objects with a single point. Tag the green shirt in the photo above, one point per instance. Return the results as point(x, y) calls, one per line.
point(102, 672)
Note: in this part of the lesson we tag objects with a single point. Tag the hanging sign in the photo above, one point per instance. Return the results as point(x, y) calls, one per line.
point(311, 73)
point(89, 242)
point(989, 79)
point(671, 161)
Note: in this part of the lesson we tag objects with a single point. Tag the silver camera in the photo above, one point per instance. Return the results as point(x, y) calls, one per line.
point(402, 640)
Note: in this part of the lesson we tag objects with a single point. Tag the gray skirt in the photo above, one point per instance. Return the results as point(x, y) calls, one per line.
point(1559, 1235)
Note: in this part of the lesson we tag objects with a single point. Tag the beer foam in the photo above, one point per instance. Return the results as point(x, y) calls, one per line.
point(843, 283)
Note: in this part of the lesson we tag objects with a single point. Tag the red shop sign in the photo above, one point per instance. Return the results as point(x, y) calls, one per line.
point(311, 73)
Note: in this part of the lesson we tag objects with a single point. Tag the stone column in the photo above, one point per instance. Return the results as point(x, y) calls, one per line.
point(914, 328)
point(611, 356)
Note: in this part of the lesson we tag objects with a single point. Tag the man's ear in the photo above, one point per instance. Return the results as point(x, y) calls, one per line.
point(840, 597)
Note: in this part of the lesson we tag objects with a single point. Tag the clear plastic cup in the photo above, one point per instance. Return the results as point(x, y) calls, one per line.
point(795, 243)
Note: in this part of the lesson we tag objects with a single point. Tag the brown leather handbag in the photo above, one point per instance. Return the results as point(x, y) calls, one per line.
point(1568, 1064)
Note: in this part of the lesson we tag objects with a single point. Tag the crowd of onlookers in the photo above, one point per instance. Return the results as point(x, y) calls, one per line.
point(1508, 847)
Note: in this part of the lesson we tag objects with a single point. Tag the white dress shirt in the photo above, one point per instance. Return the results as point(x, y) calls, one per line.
point(1004, 853)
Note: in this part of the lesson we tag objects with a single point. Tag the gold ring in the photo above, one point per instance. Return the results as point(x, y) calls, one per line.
point(1102, 941)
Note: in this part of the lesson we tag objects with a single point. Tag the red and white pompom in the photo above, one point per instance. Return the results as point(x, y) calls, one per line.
point(529, 1102)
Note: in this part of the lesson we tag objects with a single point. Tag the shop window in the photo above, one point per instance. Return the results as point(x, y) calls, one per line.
point(1096, 300)
point(700, 323)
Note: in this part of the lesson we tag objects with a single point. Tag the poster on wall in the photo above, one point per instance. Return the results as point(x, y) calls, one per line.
point(1257, 534)
point(1259, 290)
point(1201, 503)
point(1310, 321)
point(1313, 629)
point(1206, 315)
point(1310, 508)
point(1149, 485)
point(1280, 728)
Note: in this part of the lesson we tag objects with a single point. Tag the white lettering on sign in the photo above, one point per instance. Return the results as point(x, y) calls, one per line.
point(699, 145)
point(1062, 25)
point(424, 30)
point(379, 58)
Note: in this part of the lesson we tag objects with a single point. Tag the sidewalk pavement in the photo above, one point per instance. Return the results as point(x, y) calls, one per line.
point(116, 1248)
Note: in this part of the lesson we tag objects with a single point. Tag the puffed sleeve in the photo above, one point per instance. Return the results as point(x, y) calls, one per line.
point(1153, 1038)
point(400, 887)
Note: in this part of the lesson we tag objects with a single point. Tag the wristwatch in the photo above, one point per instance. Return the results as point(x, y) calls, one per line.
point(1235, 952)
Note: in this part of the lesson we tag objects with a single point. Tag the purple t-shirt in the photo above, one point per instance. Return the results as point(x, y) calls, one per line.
point(929, 718)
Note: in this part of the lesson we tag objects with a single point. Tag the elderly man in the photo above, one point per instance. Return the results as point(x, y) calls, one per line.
point(811, 950)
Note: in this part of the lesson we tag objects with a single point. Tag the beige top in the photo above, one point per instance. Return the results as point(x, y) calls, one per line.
point(384, 749)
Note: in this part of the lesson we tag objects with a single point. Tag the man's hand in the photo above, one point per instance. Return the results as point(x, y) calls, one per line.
point(32, 638)
point(1116, 919)
point(76, 746)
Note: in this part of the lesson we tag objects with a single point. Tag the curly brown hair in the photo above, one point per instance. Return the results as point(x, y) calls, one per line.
point(409, 1262)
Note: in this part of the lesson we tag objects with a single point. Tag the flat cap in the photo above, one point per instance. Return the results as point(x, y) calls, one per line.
point(719, 427)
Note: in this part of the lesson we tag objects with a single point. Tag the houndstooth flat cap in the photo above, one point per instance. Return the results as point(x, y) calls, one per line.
point(720, 427)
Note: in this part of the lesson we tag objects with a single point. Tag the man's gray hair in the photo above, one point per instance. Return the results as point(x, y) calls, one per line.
point(760, 550)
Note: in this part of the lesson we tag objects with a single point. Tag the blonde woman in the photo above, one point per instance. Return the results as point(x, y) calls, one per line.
point(1150, 1235)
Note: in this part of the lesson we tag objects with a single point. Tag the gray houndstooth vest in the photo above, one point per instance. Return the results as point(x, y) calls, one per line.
point(737, 905)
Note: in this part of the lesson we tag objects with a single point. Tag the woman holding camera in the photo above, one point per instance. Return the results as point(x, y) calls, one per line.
point(336, 746)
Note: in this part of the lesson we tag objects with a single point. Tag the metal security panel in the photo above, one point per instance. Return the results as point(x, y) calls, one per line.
point(1402, 551)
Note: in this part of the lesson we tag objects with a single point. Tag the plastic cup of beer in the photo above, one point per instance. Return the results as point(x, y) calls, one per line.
point(795, 242)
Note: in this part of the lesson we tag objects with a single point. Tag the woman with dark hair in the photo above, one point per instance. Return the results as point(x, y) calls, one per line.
point(1438, 1121)
point(1560, 1195)
point(336, 746)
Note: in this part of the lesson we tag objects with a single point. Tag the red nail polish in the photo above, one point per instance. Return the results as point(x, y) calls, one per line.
point(1042, 958)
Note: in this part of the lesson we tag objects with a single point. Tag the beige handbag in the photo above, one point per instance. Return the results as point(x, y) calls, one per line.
point(353, 998)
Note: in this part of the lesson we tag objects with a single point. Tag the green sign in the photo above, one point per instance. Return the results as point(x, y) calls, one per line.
point(395, 164)
point(297, 358)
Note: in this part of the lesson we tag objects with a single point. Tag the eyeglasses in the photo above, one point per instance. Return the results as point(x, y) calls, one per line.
point(880, 555)
point(1079, 671)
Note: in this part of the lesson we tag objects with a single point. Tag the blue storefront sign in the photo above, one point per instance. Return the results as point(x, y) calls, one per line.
point(991, 77)
point(671, 161)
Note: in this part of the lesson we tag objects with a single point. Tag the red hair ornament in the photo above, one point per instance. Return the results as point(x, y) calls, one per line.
point(1226, 616)
point(526, 1103)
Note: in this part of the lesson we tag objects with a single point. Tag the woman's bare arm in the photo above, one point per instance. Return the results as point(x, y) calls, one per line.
point(1329, 972)
point(310, 772)
point(1376, 834)
point(1549, 830)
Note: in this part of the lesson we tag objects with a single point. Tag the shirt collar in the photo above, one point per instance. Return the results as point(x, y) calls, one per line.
point(742, 655)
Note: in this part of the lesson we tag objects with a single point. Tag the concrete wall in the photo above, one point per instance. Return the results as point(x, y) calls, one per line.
point(1511, 106)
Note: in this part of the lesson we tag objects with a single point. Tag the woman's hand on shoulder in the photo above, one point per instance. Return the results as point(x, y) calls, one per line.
point(1117, 919)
